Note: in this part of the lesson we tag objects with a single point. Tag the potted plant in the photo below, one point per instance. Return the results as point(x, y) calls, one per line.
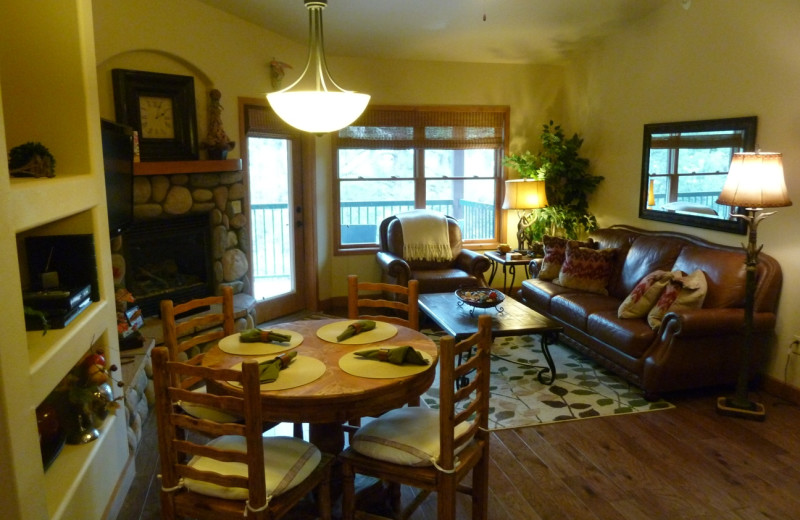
point(568, 184)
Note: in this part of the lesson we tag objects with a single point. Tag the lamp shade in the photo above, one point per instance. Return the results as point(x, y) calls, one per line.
point(315, 103)
point(755, 180)
point(524, 194)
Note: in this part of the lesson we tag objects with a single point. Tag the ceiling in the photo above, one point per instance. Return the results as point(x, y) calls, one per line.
point(482, 31)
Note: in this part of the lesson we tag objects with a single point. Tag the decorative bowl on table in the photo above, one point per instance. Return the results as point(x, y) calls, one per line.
point(481, 298)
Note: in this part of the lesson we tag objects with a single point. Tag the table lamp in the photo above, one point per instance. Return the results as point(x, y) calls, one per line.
point(524, 195)
point(755, 181)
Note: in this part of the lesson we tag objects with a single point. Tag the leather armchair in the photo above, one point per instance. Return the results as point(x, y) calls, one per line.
point(464, 270)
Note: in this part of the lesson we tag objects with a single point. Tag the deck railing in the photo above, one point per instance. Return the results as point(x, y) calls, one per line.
point(270, 224)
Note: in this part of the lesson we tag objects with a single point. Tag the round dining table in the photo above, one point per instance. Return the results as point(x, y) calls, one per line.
point(336, 396)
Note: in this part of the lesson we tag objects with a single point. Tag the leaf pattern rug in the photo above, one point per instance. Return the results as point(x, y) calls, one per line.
point(582, 389)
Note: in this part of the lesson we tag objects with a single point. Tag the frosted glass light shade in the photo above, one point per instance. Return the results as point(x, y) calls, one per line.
point(755, 180)
point(318, 111)
point(524, 194)
point(315, 103)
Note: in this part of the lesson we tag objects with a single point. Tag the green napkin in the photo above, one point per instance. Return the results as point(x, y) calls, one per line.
point(398, 355)
point(357, 327)
point(268, 371)
point(263, 336)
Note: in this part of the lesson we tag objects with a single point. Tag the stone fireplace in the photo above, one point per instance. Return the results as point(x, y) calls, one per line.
point(178, 217)
point(168, 259)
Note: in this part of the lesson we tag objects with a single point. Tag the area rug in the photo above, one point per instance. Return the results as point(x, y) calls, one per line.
point(582, 389)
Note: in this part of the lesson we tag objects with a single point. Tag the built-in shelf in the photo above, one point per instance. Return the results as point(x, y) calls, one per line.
point(178, 167)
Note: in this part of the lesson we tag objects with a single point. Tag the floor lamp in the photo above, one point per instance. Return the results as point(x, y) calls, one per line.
point(755, 181)
point(524, 195)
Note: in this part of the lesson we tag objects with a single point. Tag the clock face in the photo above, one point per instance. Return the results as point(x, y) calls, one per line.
point(156, 117)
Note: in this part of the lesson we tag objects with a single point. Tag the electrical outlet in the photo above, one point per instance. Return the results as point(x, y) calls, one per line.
point(794, 348)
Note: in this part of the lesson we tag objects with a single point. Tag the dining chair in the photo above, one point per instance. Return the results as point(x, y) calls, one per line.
point(239, 472)
point(370, 300)
point(189, 329)
point(432, 450)
point(366, 298)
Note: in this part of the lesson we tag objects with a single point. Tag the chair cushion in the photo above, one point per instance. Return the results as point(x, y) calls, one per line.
point(683, 292)
point(644, 295)
point(207, 412)
point(288, 461)
point(407, 436)
point(587, 269)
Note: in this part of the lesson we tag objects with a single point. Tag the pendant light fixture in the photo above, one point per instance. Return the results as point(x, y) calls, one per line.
point(315, 103)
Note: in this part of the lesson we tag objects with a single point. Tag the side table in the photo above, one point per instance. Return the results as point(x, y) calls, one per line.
point(509, 267)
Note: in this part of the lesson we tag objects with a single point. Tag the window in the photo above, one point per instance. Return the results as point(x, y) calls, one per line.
point(394, 159)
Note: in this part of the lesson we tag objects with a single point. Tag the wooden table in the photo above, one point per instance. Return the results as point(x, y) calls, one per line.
point(337, 396)
point(499, 259)
point(509, 318)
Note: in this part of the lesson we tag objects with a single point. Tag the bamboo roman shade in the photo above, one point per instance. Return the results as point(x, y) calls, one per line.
point(451, 128)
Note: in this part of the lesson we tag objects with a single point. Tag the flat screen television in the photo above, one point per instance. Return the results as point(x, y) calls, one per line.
point(118, 166)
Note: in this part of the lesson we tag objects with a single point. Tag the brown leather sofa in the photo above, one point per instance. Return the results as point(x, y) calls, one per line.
point(464, 270)
point(691, 348)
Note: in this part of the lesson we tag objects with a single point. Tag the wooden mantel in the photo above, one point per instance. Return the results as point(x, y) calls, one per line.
point(178, 167)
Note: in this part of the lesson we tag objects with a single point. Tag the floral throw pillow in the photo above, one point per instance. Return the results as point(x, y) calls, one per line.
point(587, 269)
point(644, 295)
point(682, 292)
point(555, 250)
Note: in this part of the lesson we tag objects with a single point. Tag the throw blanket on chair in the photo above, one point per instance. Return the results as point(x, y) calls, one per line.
point(425, 236)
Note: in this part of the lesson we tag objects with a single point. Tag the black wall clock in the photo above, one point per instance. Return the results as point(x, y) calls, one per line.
point(161, 108)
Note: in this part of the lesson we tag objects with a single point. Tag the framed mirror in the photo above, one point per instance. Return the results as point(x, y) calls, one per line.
point(684, 166)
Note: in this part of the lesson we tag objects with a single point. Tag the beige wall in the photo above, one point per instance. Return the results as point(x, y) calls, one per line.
point(717, 59)
point(713, 60)
point(223, 52)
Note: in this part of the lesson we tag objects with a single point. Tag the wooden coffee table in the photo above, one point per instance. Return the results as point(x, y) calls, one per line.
point(509, 318)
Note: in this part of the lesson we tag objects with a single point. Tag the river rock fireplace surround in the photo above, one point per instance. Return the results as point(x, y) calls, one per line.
point(178, 217)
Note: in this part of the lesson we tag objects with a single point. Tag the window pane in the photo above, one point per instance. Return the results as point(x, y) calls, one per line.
point(376, 164)
point(659, 161)
point(364, 204)
point(470, 201)
point(704, 160)
point(459, 163)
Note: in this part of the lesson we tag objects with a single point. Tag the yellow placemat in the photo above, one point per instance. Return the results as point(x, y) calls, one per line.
point(232, 345)
point(381, 332)
point(303, 370)
point(375, 369)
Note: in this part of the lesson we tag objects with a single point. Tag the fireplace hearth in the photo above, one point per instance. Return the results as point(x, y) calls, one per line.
point(168, 259)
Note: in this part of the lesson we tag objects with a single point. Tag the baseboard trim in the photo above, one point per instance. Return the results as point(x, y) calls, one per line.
point(780, 389)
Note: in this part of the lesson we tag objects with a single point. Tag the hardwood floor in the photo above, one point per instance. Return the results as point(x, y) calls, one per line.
point(685, 463)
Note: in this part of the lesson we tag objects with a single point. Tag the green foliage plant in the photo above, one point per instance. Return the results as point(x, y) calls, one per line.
point(568, 184)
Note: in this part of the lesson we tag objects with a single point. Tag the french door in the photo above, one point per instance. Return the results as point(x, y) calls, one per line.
point(278, 236)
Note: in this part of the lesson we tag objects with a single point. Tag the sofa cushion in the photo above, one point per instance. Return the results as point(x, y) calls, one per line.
point(724, 270)
point(631, 337)
point(647, 254)
point(539, 293)
point(574, 308)
point(682, 292)
point(587, 269)
point(555, 250)
point(644, 295)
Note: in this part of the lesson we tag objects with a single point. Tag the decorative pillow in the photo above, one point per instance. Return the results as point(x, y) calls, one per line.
point(407, 436)
point(682, 292)
point(644, 295)
point(555, 249)
point(587, 269)
point(287, 462)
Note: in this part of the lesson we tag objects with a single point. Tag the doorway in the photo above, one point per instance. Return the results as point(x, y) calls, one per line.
point(274, 159)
